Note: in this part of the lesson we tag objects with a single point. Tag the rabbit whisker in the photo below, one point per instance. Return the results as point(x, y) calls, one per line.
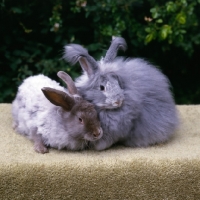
point(87, 146)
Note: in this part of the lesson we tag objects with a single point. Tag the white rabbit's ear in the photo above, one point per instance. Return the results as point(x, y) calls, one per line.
point(118, 43)
point(74, 53)
point(59, 98)
point(69, 82)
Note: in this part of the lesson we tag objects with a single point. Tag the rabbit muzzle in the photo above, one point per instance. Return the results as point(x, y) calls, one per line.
point(113, 103)
point(98, 134)
point(95, 135)
point(114, 96)
point(117, 103)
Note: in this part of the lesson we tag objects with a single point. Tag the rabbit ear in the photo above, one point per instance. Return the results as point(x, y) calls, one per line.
point(74, 53)
point(59, 98)
point(117, 43)
point(116, 77)
point(69, 82)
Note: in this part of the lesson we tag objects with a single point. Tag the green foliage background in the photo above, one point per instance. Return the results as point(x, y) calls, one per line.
point(33, 34)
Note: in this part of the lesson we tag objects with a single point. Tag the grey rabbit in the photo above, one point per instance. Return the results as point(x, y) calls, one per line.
point(46, 113)
point(133, 98)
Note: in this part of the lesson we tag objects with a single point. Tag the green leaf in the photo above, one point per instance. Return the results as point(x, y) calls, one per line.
point(184, 2)
point(165, 30)
point(148, 29)
point(16, 10)
point(149, 38)
point(159, 21)
point(183, 31)
point(163, 33)
point(171, 6)
point(155, 15)
point(154, 12)
point(181, 18)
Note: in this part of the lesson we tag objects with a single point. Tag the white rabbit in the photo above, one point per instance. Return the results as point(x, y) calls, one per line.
point(45, 113)
point(132, 97)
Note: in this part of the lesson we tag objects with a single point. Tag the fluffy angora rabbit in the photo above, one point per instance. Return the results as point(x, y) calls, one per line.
point(132, 97)
point(45, 113)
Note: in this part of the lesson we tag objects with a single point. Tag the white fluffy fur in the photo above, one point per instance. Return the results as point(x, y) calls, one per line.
point(31, 109)
point(47, 115)
point(82, 80)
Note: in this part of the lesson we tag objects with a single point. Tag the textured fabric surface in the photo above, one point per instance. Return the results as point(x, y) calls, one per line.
point(166, 171)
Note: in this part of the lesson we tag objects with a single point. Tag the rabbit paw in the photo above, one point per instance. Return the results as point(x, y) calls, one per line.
point(40, 148)
point(14, 125)
point(100, 145)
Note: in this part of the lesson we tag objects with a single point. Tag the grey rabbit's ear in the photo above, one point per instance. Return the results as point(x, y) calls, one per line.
point(118, 43)
point(118, 78)
point(74, 53)
point(69, 82)
point(59, 98)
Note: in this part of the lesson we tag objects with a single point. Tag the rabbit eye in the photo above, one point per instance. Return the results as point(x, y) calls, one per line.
point(80, 120)
point(102, 88)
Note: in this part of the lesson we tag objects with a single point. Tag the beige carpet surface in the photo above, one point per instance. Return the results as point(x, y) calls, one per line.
point(167, 171)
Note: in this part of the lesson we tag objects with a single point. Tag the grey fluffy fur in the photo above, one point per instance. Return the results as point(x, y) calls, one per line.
point(50, 124)
point(132, 97)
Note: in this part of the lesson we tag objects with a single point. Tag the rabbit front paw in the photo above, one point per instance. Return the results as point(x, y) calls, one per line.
point(40, 148)
point(100, 145)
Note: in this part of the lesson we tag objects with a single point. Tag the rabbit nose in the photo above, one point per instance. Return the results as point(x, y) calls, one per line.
point(117, 103)
point(96, 134)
